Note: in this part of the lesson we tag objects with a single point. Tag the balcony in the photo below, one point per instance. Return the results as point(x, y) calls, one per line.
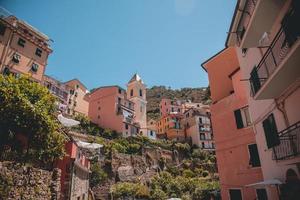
point(289, 143)
point(257, 17)
point(279, 66)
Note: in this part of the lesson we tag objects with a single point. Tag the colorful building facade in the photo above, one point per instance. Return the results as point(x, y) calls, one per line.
point(267, 41)
point(236, 149)
point(23, 49)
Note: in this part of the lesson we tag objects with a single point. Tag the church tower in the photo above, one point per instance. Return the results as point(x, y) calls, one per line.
point(136, 92)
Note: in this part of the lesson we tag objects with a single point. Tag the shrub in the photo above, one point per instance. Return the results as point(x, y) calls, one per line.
point(98, 175)
point(158, 194)
point(188, 173)
point(205, 173)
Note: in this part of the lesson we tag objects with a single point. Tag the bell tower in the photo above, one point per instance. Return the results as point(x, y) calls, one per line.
point(136, 92)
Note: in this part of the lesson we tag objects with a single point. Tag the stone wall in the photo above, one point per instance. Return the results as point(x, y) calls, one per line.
point(25, 182)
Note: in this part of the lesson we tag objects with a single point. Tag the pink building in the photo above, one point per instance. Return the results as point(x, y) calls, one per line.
point(267, 39)
point(236, 150)
point(110, 108)
point(169, 106)
point(114, 108)
point(23, 49)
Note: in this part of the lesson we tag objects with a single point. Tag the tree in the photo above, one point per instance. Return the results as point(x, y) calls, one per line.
point(27, 109)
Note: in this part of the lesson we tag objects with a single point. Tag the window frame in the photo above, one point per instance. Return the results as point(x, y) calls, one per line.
point(240, 189)
point(21, 42)
point(249, 154)
point(38, 52)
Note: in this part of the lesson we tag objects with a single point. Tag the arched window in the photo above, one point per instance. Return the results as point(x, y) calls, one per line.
point(141, 92)
point(131, 92)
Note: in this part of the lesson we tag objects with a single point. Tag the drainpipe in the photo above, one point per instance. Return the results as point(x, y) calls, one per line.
point(281, 107)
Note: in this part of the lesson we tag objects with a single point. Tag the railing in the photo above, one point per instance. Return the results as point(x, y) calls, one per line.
point(276, 52)
point(245, 18)
point(289, 143)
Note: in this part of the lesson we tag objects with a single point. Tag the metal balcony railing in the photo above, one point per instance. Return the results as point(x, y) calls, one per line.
point(278, 50)
point(289, 143)
point(245, 18)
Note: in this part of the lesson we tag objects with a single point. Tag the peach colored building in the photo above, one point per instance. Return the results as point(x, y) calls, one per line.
point(197, 126)
point(23, 49)
point(152, 129)
point(78, 102)
point(236, 150)
point(267, 39)
point(110, 108)
point(136, 92)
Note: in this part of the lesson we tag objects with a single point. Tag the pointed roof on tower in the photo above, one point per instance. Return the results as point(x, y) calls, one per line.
point(136, 77)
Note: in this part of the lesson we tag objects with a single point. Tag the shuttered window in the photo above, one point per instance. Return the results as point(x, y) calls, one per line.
point(261, 194)
point(271, 132)
point(254, 156)
point(238, 119)
point(255, 82)
point(235, 194)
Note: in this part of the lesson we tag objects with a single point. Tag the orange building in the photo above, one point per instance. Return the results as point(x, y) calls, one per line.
point(23, 49)
point(236, 150)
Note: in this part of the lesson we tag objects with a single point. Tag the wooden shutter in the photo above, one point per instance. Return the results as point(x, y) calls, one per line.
point(271, 132)
point(255, 82)
point(238, 119)
point(254, 156)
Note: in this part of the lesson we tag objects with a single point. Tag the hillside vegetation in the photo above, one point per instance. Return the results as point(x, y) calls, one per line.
point(156, 93)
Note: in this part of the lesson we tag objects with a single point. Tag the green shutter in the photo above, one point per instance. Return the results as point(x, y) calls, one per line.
point(238, 119)
point(254, 156)
point(255, 82)
point(271, 132)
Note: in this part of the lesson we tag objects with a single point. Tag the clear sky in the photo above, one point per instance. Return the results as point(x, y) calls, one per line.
point(104, 42)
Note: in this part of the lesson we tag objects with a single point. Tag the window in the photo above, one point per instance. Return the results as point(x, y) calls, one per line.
point(261, 194)
point(151, 133)
point(120, 91)
point(235, 194)
point(21, 42)
point(202, 144)
point(71, 92)
point(77, 86)
point(75, 103)
point(172, 109)
point(178, 109)
point(242, 117)
point(16, 58)
point(38, 52)
point(254, 80)
point(200, 120)
point(99, 108)
point(131, 92)
point(76, 94)
point(141, 93)
point(202, 136)
point(119, 100)
point(271, 132)
point(126, 126)
point(6, 71)
point(2, 29)
point(70, 101)
point(34, 67)
point(98, 116)
point(254, 156)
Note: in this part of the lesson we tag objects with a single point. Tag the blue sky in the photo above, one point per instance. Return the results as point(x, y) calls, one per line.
point(104, 42)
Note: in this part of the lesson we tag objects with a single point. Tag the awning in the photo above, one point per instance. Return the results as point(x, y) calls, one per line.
point(88, 145)
point(66, 121)
point(265, 183)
